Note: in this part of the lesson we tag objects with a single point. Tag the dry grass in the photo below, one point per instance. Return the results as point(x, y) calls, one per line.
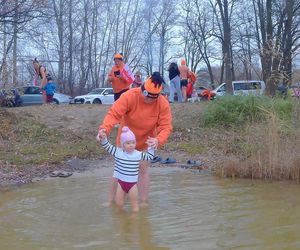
point(269, 150)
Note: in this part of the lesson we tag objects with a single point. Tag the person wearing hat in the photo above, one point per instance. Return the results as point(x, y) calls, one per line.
point(126, 169)
point(148, 115)
point(120, 76)
point(137, 80)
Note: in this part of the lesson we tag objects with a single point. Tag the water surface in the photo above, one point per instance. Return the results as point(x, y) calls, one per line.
point(187, 211)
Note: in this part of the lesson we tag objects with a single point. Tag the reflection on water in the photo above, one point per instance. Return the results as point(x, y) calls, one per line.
point(187, 211)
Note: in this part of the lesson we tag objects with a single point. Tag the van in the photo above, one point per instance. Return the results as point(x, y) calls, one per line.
point(251, 87)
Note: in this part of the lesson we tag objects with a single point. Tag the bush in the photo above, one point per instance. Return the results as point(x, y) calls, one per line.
point(236, 111)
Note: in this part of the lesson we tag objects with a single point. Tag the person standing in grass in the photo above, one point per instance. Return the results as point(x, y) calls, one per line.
point(127, 160)
point(184, 75)
point(174, 76)
point(49, 89)
point(120, 76)
point(137, 80)
point(148, 115)
point(42, 72)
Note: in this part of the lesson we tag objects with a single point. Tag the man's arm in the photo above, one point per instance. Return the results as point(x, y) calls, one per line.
point(115, 113)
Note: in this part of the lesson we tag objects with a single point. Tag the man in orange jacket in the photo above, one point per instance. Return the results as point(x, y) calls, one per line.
point(148, 115)
point(120, 78)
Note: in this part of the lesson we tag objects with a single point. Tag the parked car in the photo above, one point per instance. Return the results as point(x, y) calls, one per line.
point(32, 95)
point(248, 87)
point(96, 96)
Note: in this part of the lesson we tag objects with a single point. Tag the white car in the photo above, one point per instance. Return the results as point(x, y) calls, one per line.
point(60, 98)
point(96, 96)
point(249, 87)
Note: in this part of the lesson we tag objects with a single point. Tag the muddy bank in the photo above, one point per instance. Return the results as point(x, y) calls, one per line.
point(18, 175)
point(37, 140)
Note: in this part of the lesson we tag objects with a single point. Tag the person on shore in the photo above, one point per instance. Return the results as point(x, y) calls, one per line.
point(120, 76)
point(50, 89)
point(148, 115)
point(41, 71)
point(174, 76)
point(126, 170)
point(184, 75)
point(137, 82)
point(194, 96)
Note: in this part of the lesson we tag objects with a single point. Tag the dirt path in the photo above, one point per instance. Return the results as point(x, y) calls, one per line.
point(67, 117)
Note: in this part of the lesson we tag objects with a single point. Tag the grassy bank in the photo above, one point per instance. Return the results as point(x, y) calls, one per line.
point(242, 137)
point(262, 136)
point(27, 141)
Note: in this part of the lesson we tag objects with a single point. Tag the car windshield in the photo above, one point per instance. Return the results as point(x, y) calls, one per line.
point(96, 91)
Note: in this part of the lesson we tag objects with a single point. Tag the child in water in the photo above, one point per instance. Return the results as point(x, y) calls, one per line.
point(126, 170)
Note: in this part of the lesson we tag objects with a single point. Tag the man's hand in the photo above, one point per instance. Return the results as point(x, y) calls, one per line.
point(152, 142)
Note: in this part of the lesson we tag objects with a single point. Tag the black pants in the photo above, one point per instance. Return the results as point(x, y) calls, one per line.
point(117, 95)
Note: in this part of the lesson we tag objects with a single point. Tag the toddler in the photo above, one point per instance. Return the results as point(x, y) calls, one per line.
point(127, 161)
point(195, 96)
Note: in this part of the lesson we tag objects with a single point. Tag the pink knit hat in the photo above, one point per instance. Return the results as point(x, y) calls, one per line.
point(126, 135)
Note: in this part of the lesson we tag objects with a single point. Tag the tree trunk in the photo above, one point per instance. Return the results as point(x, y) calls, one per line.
point(70, 75)
point(288, 43)
point(58, 11)
point(226, 48)
point(15, 43)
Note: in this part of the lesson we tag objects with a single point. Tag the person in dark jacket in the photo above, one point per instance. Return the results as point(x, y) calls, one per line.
point(174, 76)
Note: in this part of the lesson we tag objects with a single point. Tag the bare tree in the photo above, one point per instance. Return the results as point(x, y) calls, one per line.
point(198, 21)
point(59, 10)
point(223, 9)
point(277, 34)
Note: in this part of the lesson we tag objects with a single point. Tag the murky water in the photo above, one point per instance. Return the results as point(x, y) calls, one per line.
point(187, 211)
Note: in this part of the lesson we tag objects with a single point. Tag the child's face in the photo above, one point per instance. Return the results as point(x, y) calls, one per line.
point(137, 77)
point(129, 146)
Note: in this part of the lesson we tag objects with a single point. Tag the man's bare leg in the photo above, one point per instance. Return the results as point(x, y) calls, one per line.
point(144, 182)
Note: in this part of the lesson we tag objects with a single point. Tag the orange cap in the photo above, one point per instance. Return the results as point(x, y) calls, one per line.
point(118, 56)
point(151, 89)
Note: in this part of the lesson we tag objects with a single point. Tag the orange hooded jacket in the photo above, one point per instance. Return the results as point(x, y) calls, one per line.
point(144, 119)
point(118, 84)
